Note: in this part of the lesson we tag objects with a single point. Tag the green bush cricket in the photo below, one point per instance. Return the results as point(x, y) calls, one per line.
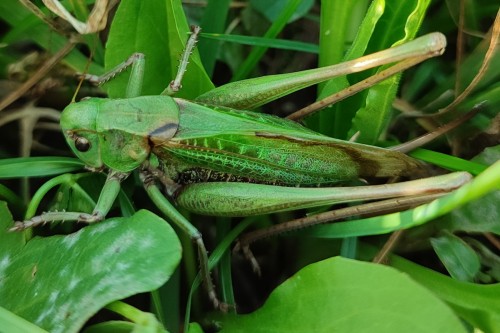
point(215, 158)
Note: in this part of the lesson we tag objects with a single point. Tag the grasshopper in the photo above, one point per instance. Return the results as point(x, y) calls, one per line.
point(214, 158)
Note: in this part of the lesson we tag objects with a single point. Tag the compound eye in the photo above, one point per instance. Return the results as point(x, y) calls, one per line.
point(82, 144)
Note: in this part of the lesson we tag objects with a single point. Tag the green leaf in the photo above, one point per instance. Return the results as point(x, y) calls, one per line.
point(478, 216)
point(457, 256)
point(11, 242)
point(490, 261)
point(194, 328)
point(25, 25)
point(214, 21)
point(482, 215)
point(272, 10)
point(141, 321)
point(273, 31)
point(111, 327)
point(342, 295)
point(59, 282)
point(337, 20)
point(157, 28)
point(14, 201)
point(477, 304)
point(336, 119)
point(470, 64)
point(37, 166)
point(394, 29)
point(446, 161)
point(266, 42)
point(12, 323)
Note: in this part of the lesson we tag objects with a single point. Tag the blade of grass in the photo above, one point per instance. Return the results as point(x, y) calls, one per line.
point(486, 182)
point(447, 161)
point(37, 166)
point(373, 118)
point(214, 20)
point(334, 122)
point(27, 25)
point(254, 57)
point(265, 42)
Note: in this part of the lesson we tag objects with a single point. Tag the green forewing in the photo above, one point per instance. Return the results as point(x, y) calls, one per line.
point(270, 149)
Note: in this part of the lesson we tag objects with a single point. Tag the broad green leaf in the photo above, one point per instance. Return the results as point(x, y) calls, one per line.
point(11, 242)
point(478, 216)
point(490, 261)
point(59, 282)
point(342, 295)
point(157, 28)
point(457, 256)
point(10, 322)
point(488, 156)
point(196, 80)
point(477, 304)
point(194, 328)
point(482, 215)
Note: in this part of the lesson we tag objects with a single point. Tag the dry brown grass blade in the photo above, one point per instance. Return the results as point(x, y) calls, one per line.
point(96, 21)
point(391, 243)
point(492, 239)
point(37, 12)
point(493, 46)
point(428, 137)
point(37, 76)
point(28, 116)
